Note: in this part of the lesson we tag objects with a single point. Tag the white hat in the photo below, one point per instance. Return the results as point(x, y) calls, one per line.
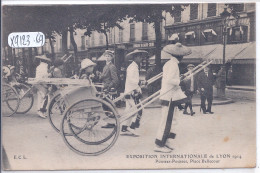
point(177, 49)
point(6, 71)
point(86, 63)
point(43, 57)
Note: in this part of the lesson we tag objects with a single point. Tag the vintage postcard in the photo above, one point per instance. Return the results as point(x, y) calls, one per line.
point(128, 86)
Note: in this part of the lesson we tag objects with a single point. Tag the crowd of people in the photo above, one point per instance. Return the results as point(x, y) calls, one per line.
point(175, 92)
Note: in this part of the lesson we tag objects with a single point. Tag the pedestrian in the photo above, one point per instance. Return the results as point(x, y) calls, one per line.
point(230, 76)
point(109, 75)
point(189, 88)
point(42, 72)
point(133, 91)
point(156, 85)
point(58, 69)
point(220, 81)
point(171, 96)
point(205, 84)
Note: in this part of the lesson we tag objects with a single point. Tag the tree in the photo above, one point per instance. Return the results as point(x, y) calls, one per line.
point(106, 18)
point(153, 14)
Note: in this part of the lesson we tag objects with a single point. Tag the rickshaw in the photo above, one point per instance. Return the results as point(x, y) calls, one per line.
point(17, 95)
point(79, 117)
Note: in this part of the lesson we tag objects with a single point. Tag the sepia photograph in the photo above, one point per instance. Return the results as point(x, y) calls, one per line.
point(132, 86)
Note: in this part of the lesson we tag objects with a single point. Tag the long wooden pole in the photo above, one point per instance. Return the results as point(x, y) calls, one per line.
point(132, 113)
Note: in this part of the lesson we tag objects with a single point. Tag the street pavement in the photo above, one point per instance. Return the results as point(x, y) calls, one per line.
point(31, 143)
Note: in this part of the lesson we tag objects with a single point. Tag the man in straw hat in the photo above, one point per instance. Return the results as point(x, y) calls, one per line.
point(133, 91)
point(42, 71)
point(171, 96)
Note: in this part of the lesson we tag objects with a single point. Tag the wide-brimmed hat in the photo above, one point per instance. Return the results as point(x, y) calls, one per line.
point(190, 65)
point(110, 53)
point(43, 57)
point(177, 49)
point(86, 63)
point(11, 67)
point(6, 71)
point(130, 55)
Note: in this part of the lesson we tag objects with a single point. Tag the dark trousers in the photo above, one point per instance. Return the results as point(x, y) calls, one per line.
point(203, 99)
point(165, 128)
point(188, 103)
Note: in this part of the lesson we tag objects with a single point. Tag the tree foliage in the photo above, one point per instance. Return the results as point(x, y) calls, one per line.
point(100, 18)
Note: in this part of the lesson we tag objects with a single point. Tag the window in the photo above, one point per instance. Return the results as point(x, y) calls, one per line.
point(120, 35)
point(83, 42)
point(87, 42)
point(190, 37)
point(110, 39)
point(237, 34)
point(101, 39)
point(209, 35)
point(92, 40)
point(132, 32)
point(238, 7)
point(144, 31)
point(71, 46)
point(60, 44)
point(212, 9)
point(193, 11)
point(177, 16)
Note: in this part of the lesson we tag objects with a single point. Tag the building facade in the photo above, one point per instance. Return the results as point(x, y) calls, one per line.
point(199, 26)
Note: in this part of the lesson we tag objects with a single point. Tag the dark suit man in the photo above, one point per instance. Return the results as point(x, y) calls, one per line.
point(189, 87)
point(109, 78)
point(205, 83)
point(109, 75)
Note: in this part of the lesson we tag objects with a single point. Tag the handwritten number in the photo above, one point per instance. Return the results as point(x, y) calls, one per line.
point(16, 40)
point(28, 40)
point(39, 38)
point(12, 42)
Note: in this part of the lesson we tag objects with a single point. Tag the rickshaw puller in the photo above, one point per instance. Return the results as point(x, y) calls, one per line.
point(42, 72)
point(171, 96)
point(132, 84)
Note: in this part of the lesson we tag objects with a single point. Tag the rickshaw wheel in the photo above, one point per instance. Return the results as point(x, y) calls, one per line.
point(26, 101)
point(84, 121)
point(55, 111)
point(10, 100)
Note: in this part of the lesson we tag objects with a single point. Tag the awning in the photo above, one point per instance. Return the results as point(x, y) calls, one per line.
point(235, 53)
point(208, 31)
point(198, 53)
point(174, 36)
point(192, 33)
point(232, 51)
point(247, 55)
point(240, 29)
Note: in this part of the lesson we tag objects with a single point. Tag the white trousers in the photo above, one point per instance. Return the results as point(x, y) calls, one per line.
point(129, 106)
point(41, 94)
point(165, 128)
